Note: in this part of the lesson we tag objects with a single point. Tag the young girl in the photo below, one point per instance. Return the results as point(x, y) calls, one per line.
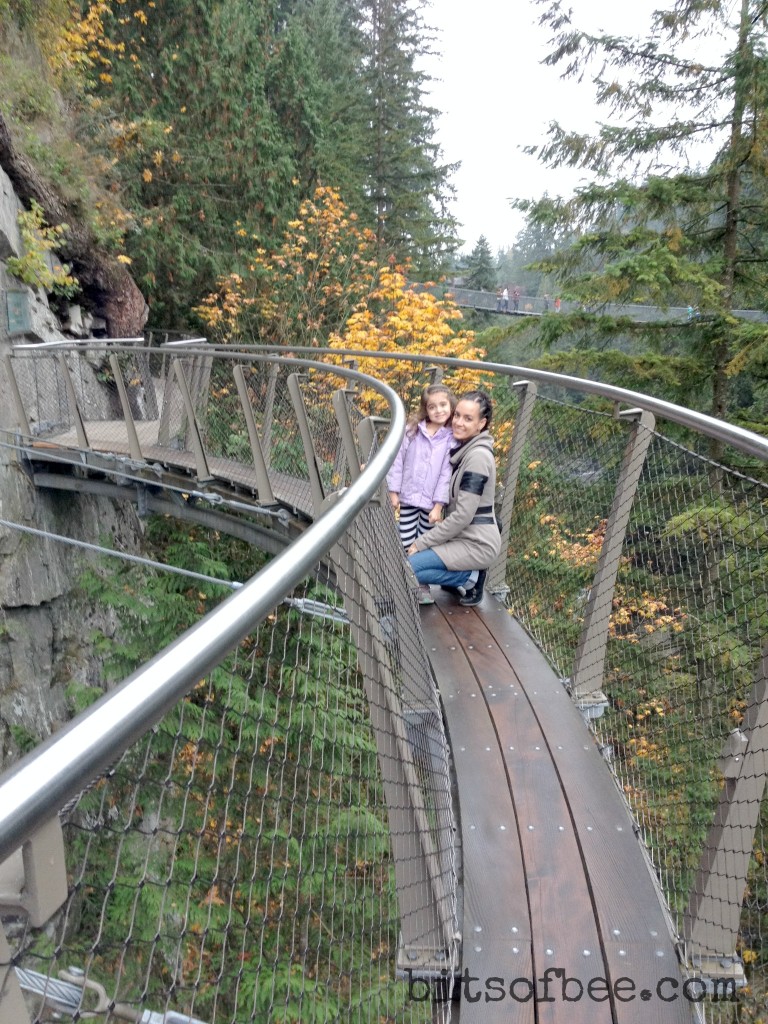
point(419, 477)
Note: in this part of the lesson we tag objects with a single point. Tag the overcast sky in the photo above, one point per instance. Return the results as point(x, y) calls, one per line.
point(496, 97)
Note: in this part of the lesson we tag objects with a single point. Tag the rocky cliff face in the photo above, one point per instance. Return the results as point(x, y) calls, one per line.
point(46, 626)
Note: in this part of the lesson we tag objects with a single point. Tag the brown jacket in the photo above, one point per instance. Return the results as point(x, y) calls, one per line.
point(468, 537)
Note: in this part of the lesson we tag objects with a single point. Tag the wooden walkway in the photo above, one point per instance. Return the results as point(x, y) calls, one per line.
point(108, 438)
point(555, 883)
point(561, 918)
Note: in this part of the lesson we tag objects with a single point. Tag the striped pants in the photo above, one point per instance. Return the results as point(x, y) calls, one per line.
point(412, 522)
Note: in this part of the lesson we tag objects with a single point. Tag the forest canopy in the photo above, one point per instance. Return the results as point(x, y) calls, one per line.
point(174, 136)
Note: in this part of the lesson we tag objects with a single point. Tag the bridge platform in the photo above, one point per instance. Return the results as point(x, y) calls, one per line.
point(562, 920)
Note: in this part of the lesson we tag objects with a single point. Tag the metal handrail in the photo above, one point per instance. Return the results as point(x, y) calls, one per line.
point(37, 786)
point(738, 437)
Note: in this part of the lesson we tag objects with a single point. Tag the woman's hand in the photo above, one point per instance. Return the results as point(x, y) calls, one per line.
point(412, 549)
point(436, 514)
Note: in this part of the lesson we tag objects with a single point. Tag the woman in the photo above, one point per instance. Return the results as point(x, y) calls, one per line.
point(456, 552)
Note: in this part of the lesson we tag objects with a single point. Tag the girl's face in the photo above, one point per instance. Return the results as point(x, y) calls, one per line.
point(467, 421)
point(439, 408)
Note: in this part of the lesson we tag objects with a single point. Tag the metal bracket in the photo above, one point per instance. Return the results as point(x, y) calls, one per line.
point(426, 963)
point(591, 705)
point(721, 977)
point(729, 764)
point(33, 880)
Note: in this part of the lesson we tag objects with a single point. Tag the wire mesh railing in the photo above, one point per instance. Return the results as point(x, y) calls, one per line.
point(280, 840)
point(683, 663)
point(235, 864)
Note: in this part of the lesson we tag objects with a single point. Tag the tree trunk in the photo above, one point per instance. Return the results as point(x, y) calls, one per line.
point(108, 288)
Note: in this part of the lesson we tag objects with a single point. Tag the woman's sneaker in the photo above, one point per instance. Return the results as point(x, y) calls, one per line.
point(475, 594)
point(424, 594)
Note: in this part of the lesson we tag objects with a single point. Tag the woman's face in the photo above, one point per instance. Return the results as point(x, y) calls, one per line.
point(467, 421)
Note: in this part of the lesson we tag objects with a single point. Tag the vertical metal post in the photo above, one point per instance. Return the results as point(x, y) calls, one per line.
point(366, 433)
point(259, 462)
point(711, 920)
point(315, 482)
point(203, 472)
point(82, 439)
point(269, 410)
point(13, 1009)
point(21, 414)
point(347, 434)
point(133, 438)
point(33, 881)
point(527, 398)
point(590, 653)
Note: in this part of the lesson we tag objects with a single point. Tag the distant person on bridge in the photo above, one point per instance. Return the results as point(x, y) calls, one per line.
point(505, 300)
point(419, 477)
point(457, 552)
point(515, 299)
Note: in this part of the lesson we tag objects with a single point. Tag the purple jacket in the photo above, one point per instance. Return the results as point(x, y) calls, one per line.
point(421, 472)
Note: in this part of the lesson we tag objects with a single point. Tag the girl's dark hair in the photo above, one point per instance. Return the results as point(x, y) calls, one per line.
point(421, 413)
point(484, 401)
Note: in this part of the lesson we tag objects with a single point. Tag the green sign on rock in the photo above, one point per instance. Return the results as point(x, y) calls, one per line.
point(19, 320)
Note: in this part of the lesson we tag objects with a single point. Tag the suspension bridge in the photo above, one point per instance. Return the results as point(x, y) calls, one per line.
point(324, 803)
point(540, 305)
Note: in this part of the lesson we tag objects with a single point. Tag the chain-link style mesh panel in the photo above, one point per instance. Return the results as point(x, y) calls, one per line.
point(682, 678)
point(564, 491)
point(257, 857)
point(410, 733)
point(224, 429)
point(682, 674)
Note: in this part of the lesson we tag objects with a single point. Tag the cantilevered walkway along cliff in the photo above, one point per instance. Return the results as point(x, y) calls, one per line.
point(324, 803)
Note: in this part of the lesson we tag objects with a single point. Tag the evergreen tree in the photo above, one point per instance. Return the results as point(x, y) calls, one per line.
point(334, 47)
point(481, 269)
point(212, 123)
point(694, 236)
point(534, 245)
point(219, 126)
point(408, 187)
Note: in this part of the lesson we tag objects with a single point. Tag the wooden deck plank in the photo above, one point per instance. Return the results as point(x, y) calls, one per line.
point(496, 924)
point(634, 930)
point(565, 936)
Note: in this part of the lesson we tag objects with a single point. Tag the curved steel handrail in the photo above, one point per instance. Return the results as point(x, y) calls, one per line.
point(738, 437)
point(37, 786)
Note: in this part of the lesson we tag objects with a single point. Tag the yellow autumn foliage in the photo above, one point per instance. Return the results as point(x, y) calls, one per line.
point(400, 317)
point(323, 286)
